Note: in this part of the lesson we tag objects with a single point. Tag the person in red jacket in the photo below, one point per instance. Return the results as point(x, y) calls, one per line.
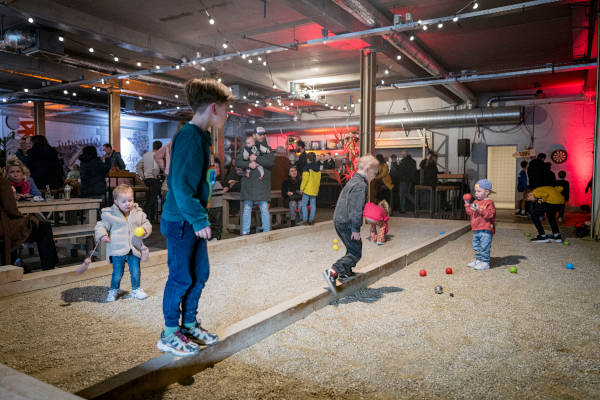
point(483, 223)
point(377, 215)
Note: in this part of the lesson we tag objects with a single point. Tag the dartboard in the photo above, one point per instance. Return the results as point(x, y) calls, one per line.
point(559, 156)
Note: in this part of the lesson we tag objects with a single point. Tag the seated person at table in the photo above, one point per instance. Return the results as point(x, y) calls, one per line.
point(18, 176)
point(74, 172)
point(92, 173)
point(17, 228)
point(291, 194)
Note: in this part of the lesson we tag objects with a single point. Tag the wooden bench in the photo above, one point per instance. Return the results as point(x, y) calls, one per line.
point(278, 216)
point(71, 232)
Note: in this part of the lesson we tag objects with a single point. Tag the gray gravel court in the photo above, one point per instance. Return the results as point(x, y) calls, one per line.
point(530, 335)
point(68, 337)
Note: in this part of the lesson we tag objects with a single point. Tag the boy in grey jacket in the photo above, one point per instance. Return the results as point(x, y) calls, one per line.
point(347, 220)
point(117, 228)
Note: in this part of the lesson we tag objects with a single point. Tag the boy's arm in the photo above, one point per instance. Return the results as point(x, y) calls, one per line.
point(356, 201)
point(185, 181)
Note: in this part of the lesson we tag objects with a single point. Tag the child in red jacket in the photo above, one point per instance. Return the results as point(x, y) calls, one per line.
point(377, 215)
point(483, 223)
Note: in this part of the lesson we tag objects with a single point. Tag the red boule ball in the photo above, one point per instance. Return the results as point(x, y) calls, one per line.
point(467, 197)
point(449, 271)
point(423, 272)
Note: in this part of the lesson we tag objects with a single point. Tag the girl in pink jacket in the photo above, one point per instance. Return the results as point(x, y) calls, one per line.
point(377, 215)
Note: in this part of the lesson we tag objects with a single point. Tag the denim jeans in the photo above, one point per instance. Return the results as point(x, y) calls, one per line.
point(188, 272)
point(482, 244)
point(133, 263)
point(313, 207)
point(404, 193)
point(293, 207)
point(247, 215)
point(353, 249)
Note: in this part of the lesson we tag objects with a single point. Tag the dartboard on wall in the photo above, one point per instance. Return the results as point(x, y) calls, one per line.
point(559, 156)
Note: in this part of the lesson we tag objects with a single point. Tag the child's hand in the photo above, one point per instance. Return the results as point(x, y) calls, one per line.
point(474, 207)
point(105, 239)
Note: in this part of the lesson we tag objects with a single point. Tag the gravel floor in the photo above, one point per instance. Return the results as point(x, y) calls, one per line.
point(530, 335)
point(67, 336)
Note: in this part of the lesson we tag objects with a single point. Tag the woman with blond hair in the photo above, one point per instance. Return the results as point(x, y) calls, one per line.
point(18, 176)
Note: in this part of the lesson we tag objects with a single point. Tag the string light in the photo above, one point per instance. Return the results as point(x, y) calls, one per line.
point(91, 49)
point(387, 71)
point(159, 102)
point(140, 97)
point(139, 64)
point(203, 68)
point(61, 39)
point(116, 59)
point(440, 25)
point(455, 19)
point(30, 20)
point(65, 91)
point(127, 82)
point(412, 37)
point(398, 57)
point(424, 27)
point(176, 96)
point(225, 45)
point(26, 90)
point(475, 6)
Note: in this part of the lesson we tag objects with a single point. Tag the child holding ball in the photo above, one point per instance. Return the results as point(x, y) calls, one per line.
point(117, 227)
point(483, 223)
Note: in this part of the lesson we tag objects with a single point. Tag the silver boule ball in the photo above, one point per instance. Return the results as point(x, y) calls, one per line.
point(439, 289)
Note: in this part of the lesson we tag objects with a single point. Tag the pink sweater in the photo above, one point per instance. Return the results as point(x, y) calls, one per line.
point(376, 213)
point(485, 218)
point(162, 157)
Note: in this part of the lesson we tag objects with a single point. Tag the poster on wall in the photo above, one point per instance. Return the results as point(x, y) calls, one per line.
point(134, 143)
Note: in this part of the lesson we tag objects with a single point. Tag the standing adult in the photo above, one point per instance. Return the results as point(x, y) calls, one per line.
point(256, 189)
point(113, 158)
point(92, 173)
point(148, 169)
point(329, 162)
point(42, 160)
point(383, 180)
point(429, 169)
point(535, 171)
point(407, 171)
point(301, 162)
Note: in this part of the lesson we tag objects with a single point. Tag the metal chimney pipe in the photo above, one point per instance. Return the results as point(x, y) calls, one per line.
point(407, 121)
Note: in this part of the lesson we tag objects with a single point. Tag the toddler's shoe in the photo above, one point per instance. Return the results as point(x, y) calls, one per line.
point(540, 239)
point(199, 335)
point(177, 344)
point(481, 265)
point(330, 275)
point(472, 264)
point(112, 295)
point(379, 243)
point(139, 294)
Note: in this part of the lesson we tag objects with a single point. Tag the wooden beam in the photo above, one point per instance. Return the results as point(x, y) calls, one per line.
point(114, 119)
point(39, 118)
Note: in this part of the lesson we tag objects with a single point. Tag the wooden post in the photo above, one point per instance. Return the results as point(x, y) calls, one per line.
point(39, 118)
point(367, 105)
point(114, 118)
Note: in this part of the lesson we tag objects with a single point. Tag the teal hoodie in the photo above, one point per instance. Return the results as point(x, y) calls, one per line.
point(188, 180)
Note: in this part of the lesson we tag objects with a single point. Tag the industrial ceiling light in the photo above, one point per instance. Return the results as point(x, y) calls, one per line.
point(259, 58)
point(220, 80)
point(74, 94)
point(159, 102)
point(339, 107)
point(178, 107)
point(352, 105)
point(93, 87)
point(91, 49)
point(127, 82)
point(231, 106)
point(244, 56)
point(30, 20)
point(157, 67)
point(274, 86)
point(249, 110)
point(419, 22)
point(140, 97)
point(440, 25)
point(424, 27)
point(211, 20)
point(203, 68)
point(398, 57)
point(345, 107)
point(265, 63)
point(194, 62)
point(4, 100)
point(176, 96)
point(61, 39)
point(382, 82)
point(65, 91)
point(139, 64)
point(475, 6)
point(225, 45)
point(387, 71)
point(26, 90)
point(455, 19)
point(116, 59)
point(244, 97)
point(249, 61)
point(177, 66)
point(331, 107)
point(412, 37)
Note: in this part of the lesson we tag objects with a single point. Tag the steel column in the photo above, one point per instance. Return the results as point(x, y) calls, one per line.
point(114, 119)
point(367, 98)
point(39, 118)
point(595, 231)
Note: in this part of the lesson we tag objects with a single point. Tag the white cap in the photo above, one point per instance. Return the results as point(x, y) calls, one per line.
point(260, 129)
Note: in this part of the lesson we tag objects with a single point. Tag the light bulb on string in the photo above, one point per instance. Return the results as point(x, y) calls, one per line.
point(440, 25)
point(30, 20)
point(424, 27)
point(455, 19)
point(211, 20)
point(412, 37)
point(475, 6)
point(139, 64)
point(116, 59)
point(61, 39)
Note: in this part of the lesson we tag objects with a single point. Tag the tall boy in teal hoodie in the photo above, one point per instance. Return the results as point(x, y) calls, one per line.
point(185, 220)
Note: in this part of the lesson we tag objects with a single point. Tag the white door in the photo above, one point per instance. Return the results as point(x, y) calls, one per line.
point(502, 172)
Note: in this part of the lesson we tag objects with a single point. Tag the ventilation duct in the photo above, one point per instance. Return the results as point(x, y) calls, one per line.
point(408, 121)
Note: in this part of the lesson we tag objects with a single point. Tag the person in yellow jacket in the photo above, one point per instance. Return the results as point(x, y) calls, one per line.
point(383, 180)
point(311, 180)
point(548, 201)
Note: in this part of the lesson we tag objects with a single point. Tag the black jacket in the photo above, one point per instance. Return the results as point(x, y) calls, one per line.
point(566, 188)
point(301, 162)
point(350, 204)
point(45, 167)
point(430, 173)
point(92, 172)
point(408, 169)
point(289, 185)
point(535, 173)
point(329, 164)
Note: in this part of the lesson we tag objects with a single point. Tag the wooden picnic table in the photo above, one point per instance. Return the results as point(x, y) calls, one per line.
point(235, 196)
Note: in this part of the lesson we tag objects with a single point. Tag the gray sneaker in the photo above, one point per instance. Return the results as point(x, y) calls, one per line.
point(177, 344)
point(200, 335)
point(112, 295)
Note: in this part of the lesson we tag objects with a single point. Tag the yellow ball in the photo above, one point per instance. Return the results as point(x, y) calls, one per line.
point(139, 231)
point(335, 247)
point(335, 241)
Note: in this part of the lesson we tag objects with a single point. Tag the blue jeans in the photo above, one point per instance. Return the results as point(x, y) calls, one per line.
point(482, 244)
point(247, 215)
point(405, 193)
point(313, 207)
point(119, 266)
point(188, 272)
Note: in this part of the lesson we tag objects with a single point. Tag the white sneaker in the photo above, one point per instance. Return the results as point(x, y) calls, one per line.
point(482, 265)
point(472, 264)
point(112, 295)
point(139, 294)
